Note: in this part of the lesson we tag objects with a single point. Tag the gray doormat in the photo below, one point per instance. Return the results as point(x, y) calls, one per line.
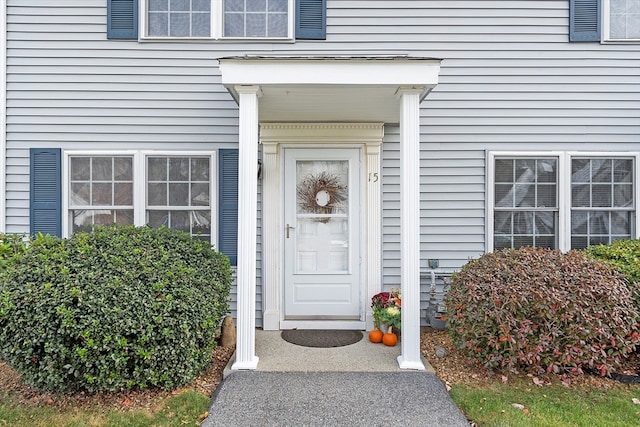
point(321, 337)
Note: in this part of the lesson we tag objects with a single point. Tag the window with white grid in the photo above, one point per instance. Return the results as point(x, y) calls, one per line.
point(179, 193)
point(602, 205)
point(100, 191)
point(621, 20)
point(526, 202)
point(256, 18)
point(179, 18)
point(218, 19)
point(563, 200)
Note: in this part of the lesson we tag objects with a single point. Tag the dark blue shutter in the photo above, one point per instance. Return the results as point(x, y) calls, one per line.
point(45, 192)
point(228, 204)
point(311, 19)
point(122, 19)
point(584, 20)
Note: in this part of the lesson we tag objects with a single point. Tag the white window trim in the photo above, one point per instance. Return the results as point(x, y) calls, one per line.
point(216, 24)
point(140, 183)
point(564, 189)
point(606, 26)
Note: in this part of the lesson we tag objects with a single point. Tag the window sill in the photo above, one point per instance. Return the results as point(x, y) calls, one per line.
point(213, 39)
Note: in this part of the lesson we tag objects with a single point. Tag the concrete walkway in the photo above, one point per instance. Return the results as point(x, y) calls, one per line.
point(355, 385)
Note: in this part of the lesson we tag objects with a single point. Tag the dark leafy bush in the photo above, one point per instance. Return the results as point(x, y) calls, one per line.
point(625, 256)
point(12, 246)
point(542, 311)
point(115, 308)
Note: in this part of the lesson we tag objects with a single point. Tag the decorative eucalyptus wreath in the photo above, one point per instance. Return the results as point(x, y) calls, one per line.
point(321, 193)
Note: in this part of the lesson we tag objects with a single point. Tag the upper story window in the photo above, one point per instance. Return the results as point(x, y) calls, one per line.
point(256, 18)
point(218, 19)
point(621, 20)
point(179, 18)
point(604, 20)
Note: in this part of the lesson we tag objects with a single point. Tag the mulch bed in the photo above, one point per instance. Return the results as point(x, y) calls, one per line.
point(11, 386)
point(454, 368)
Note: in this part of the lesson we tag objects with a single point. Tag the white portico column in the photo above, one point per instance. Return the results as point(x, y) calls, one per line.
point(247, 223)
point(410, 226)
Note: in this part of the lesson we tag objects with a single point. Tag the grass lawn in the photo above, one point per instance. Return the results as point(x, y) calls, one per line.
point(549, 405)
point(186, 409)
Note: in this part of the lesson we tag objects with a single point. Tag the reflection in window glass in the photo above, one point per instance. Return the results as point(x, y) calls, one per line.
point(255, 18)
point(526, 203)
point(624, 19)
point(100, 191)
point(179, 18)
point(179, 194)
point(601, 200)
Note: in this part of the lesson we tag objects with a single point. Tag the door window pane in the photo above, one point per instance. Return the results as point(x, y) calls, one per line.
point(322, 187)
point(322, 223)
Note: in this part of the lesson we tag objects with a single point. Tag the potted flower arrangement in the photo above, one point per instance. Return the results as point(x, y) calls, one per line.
point(386, 311)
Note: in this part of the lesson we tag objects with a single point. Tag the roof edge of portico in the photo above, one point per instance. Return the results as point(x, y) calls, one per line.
point(329, 70)
point(327, 57)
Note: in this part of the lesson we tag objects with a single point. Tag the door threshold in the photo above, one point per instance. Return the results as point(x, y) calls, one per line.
point(355, 325)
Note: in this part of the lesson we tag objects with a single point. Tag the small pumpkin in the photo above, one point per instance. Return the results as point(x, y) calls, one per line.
point(390, 339)
point(375, 336)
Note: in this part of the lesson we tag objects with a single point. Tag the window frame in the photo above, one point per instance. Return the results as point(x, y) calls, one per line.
point(606, 26)
point(216, 25)
point(140, 182)
point(564, 189)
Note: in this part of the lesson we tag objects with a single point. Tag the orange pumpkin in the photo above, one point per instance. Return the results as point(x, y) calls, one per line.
point(375, 336)
point(390, 338)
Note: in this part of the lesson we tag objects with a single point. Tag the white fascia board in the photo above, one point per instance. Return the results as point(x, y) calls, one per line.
point(330, 71)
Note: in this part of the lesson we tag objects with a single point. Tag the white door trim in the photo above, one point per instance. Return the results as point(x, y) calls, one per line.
point(275, 136)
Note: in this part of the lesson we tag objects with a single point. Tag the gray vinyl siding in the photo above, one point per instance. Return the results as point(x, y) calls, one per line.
point(509, 80)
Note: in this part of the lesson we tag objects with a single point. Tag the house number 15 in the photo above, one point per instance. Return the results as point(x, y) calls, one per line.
point(373, 177)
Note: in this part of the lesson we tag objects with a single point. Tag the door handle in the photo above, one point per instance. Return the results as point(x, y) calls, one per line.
point(288, 227)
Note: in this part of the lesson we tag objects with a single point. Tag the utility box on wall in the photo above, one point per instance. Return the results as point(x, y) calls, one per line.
point(438, 283)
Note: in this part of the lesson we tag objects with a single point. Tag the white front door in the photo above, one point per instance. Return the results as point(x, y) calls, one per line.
point(322, 234)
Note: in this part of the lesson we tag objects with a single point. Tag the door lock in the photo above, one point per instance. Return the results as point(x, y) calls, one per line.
point(288, 227)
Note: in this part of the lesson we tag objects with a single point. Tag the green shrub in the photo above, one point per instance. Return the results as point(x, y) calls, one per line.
point(12, 246)
point(542, 311)
point(625, 256)
point(115, 308)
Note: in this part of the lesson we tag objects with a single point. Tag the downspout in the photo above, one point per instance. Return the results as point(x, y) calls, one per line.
point(3, 119)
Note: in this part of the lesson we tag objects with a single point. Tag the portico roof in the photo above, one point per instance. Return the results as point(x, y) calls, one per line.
point(321, 88)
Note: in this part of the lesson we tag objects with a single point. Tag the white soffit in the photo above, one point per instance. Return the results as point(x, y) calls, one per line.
point(329, 88)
